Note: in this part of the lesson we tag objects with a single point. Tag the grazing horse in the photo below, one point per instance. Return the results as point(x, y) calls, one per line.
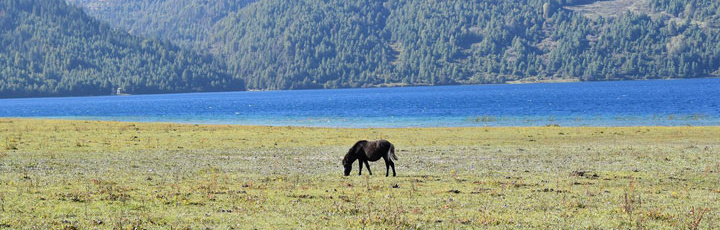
point(365, 151)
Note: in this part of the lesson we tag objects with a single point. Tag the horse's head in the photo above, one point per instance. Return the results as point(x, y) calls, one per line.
point(348, 161)
point(351, 156)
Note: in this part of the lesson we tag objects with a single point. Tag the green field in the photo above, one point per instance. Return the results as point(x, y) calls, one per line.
point(99, 175)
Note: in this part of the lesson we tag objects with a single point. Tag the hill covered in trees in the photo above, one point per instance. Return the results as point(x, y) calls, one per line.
point(50, 48)
point(185, 22)
point(296, 44)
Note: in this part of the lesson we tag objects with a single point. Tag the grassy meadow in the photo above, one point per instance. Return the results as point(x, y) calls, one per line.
point(99, 175)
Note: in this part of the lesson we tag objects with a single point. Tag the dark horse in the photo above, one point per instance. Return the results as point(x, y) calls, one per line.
point(365, 151)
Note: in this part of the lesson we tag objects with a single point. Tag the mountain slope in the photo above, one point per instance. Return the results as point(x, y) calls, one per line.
point(283, 44)
point(185, 22)
point(48, 48)
point(287, 44)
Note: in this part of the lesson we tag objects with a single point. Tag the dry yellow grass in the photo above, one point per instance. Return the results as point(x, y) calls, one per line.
point(90, 174)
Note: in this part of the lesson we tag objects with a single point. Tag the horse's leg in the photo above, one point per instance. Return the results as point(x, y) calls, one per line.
point(368, 167)
point(360, 169)
point(387, 166)
point(392, 164)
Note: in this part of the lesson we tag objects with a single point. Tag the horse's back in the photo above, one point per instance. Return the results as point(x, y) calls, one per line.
point(384, 142)
point(377, 149)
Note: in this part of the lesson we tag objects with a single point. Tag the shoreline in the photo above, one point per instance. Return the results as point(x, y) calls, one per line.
point(549, 125)
point(534, 80)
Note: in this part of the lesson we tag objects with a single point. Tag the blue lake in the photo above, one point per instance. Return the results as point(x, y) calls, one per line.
point(694, 102)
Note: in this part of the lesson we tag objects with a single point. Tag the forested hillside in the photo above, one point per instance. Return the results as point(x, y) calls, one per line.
point(50, 48)
point(291, 44)
point(185, 22)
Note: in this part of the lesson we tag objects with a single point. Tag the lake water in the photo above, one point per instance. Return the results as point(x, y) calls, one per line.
point(694, 102)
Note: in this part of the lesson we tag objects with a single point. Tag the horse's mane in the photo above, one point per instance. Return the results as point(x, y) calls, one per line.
point(359, 142)
point(350, 156)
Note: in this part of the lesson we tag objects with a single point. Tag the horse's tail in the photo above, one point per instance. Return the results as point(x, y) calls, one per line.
point(391, 152)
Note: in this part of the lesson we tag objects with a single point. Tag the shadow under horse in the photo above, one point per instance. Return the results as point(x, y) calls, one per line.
point(365, 151)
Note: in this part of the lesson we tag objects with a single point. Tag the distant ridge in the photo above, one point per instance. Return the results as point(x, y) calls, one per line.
point(50, 48)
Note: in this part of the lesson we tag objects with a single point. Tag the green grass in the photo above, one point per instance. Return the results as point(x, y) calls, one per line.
point(99, 175)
